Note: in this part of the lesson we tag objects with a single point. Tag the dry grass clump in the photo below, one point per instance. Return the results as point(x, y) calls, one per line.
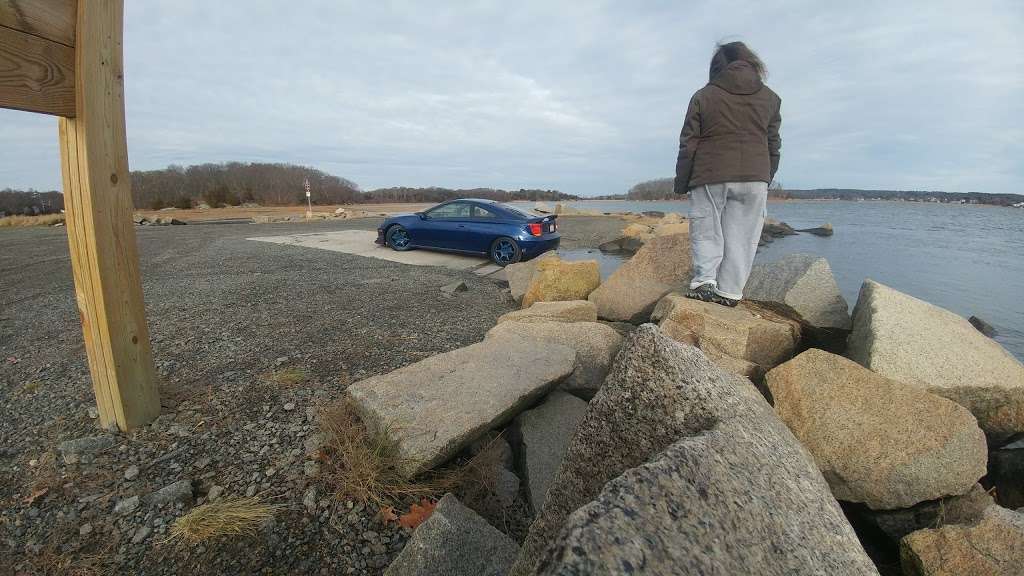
point(23, 221)
point(363, 465)
point(229, 517)
point(287, 377)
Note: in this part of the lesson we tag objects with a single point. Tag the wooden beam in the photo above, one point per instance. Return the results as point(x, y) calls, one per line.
point(98, 202)
point(36, 74)
point(50, 19)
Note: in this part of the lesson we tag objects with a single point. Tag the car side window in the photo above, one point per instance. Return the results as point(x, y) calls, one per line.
point(453, 210)
point(481, 212)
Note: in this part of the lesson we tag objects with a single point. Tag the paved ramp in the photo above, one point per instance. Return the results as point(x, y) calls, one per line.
point(361, 243)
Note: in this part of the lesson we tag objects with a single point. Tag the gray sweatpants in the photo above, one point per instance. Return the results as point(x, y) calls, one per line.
point(725, 227)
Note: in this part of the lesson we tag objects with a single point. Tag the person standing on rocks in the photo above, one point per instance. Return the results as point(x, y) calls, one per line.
point(728, 154)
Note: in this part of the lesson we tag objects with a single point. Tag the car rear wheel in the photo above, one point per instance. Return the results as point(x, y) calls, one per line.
point(505, 251)
point(398, 238)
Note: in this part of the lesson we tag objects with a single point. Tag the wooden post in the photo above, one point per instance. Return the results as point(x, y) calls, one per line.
point(101, 235)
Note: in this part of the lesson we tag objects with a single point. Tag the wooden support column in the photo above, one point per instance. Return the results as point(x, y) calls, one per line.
point(101, 235)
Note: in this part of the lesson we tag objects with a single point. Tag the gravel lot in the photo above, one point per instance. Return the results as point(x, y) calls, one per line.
point(225, 314)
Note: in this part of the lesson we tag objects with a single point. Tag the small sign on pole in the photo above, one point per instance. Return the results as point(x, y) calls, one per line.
point(309, 202)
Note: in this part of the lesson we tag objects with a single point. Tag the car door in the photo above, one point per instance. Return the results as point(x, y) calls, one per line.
point(444, 226)
point(482, 228)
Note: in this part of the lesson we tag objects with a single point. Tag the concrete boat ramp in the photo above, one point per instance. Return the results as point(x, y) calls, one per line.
point(361, 243)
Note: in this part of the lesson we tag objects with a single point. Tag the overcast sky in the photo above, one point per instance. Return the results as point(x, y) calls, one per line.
point(585, 97)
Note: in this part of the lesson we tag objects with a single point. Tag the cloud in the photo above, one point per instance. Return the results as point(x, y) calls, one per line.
point(586, 97)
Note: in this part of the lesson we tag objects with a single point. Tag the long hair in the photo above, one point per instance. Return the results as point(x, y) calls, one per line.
point(731, 52)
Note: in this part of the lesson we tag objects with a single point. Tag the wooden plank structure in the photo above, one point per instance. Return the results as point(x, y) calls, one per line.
point(64, 57)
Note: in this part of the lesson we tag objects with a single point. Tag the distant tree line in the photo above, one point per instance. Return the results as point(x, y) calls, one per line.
point(435, 194)
point(238, 183)
point(30, 202)
point(661, 189)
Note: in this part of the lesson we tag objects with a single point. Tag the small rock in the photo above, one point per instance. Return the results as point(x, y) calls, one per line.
point(983, 327)
point(131, 473)
point(84, 449)
point(180, 491)
point(215, 493)
point(454, 287)
point(85, 529)
point(311, 468)
point(250, 491)
point(309, 500)
point(126, 505)
point(313, 443)
point(93, 413)
point(141, 534)
point(289, 406)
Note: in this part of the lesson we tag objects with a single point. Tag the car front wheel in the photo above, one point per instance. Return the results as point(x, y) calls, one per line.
point(398, 238)
point(505, 251)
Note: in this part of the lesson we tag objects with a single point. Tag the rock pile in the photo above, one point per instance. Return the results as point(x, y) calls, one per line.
point(652, 449)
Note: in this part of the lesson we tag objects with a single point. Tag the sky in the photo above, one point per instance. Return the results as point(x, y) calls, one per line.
point(583, 97)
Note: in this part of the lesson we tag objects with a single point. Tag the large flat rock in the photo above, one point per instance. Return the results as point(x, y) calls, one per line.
point(435, 407)
point(595, 344)
point(992, 546)
point(454, 541)
point(746, 333)
point(910, 340)
point(802, 286)
point(876, 440)
point(662, 265)
point(680, 468)
point(564, 311)
point(544, 435)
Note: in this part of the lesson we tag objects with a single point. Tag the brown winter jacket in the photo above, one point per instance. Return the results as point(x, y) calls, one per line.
point(731, 131)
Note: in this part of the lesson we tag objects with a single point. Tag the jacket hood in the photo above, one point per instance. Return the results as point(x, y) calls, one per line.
point(739, 77)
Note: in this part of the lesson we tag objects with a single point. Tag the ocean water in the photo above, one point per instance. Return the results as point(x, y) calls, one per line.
point(966, 258)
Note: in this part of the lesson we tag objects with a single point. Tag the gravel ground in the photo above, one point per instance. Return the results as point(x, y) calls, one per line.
point(228, 318)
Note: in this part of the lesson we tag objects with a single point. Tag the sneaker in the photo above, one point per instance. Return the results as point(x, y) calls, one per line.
point(724, 301)
point(704, 293)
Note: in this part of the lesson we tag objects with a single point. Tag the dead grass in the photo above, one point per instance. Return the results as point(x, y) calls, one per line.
point(230, 517)
point(287, 377)
point(363, 465)
point(24, 221)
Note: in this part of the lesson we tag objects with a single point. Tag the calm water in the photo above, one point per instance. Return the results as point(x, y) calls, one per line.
point(968, 259)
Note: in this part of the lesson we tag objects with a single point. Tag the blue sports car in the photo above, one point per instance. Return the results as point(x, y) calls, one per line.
point(504, 233)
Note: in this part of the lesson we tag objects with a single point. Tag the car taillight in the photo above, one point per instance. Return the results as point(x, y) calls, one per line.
point(536, 228)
